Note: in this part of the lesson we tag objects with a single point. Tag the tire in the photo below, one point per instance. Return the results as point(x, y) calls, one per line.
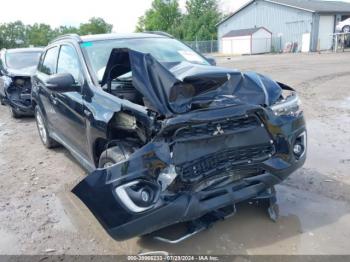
point(2, 102)
point(13, 113)
point(346, 29)
point(113, 156)
point(45, 138)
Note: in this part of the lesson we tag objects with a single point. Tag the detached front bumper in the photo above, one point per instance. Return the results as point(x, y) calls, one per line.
point(20, 108)
point(18, 103)
point(98, 190)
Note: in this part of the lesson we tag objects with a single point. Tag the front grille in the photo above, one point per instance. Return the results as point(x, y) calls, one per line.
point(218, 127)
point(224, 161)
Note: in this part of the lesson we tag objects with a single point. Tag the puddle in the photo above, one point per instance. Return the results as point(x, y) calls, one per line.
point(326, 140)
point(8, 243)
point(308, 224)
point(341, 104)
point(60, 218)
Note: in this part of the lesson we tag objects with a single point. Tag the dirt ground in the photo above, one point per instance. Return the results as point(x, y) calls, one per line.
point(39, 215)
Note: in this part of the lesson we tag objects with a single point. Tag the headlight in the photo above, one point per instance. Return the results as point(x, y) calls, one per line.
point(288, 106)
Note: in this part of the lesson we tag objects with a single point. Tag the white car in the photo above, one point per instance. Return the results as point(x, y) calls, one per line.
point(344, 26)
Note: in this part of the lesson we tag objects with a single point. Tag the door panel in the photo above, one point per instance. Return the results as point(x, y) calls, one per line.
point(45, 70)
point(70, 122)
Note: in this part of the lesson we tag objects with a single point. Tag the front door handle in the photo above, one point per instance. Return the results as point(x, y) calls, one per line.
point(53, 99)
point(87, 113)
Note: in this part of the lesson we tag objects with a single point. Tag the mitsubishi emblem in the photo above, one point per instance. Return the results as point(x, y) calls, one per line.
point(218, 131)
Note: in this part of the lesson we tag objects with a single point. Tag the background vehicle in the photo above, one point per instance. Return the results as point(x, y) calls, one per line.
point(174, 138)
point(344, 26)
point(16, 68)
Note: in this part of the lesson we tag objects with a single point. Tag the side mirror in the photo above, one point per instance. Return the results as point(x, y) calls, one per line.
point(211, 61)
point(63, 82)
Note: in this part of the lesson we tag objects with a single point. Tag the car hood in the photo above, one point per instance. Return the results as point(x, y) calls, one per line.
point(26, 71)
point(173, 88)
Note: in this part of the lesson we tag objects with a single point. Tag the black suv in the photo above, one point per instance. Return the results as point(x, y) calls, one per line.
point(16, 68)
point(167, 136)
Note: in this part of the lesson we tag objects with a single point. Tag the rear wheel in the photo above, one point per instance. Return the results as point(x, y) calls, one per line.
point(346, 29)
point(112, 156)
point(42, 129)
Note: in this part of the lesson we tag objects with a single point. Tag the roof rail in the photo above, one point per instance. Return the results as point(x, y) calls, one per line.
point(159, 33)
point(66, 36)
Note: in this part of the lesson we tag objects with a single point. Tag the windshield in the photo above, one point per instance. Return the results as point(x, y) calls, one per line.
point(165, 50)
point(19, 60)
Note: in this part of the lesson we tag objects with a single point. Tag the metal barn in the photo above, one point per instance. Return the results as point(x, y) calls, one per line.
point(307, 24)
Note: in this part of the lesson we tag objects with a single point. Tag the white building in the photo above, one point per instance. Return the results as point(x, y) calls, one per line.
point(308, 23)
point(247, 41)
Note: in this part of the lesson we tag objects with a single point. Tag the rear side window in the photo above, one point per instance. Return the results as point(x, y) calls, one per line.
point(68, 62)
point(50, 60)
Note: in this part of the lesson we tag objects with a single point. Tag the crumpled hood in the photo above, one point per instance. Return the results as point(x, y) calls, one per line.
point(172, 88)
point(26, 71)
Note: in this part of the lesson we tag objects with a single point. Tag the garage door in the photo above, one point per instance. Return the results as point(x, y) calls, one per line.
point(236, 45)
point(325, 32)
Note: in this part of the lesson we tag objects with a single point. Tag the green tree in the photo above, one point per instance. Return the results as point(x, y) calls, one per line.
point(12, 35)
point(200, 20)
point(96, 25)
point(164, 15)
point(140, 26)
point(62, 30)
point(39, 34)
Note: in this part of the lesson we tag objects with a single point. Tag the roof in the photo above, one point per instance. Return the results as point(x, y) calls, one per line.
point(88, 38)
point(314, 6)
point(112, 36)
point(243, 32)
point(317, 6)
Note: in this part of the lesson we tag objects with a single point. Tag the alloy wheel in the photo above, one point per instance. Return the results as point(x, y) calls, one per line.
point(41, 128)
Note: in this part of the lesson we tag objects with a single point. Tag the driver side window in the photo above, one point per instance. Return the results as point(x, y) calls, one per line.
point(48, 66)
point(68, 62)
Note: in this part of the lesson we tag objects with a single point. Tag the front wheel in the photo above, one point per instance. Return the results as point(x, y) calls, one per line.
point(346, 29)
point(42, 129)
point(112, 156)
point(14, 113)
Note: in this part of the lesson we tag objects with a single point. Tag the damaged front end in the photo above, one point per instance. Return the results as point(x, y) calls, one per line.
point(224, 137)
point(16, 92)
point(17, 66)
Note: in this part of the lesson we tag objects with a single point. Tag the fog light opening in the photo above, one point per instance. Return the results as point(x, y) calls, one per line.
point(299, 147)
point(138, 196)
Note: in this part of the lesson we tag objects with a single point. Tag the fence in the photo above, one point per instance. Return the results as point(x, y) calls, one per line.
point(341, 42)
point(273, 45)
point(205, 47)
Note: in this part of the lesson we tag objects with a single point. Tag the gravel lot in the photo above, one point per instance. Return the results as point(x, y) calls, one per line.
point(39, 215)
